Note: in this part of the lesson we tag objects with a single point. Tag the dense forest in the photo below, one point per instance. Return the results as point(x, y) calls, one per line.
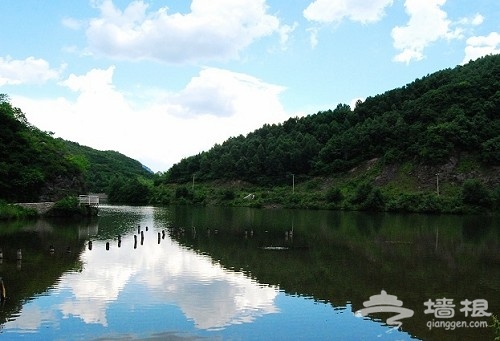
point(450, 112)
point(31, 160)
point(124, 179)
point(35, 166)
point(430, 146)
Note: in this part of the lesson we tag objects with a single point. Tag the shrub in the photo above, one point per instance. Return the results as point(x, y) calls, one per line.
point(199, 197)
point(8, 211)
point(334, 195)
point(429, 203)
point(496, 327)
point(183, 192)
point(361, 194)
point(70, 202)
point(403, 202)
point(374, 201)
point(475, 194)
point(495, 197)
point(228, 194)
point(66, 207)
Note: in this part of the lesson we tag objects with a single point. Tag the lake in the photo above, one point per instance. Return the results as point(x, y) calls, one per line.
point(189, 273)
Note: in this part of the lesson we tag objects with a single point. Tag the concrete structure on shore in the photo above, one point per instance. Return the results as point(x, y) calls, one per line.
point(89, 205)
point(40, 207)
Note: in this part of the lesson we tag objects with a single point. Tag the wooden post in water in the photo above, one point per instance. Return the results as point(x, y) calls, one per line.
point(3, 292)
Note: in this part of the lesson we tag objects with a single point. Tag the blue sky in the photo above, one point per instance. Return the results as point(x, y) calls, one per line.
point(163, 80)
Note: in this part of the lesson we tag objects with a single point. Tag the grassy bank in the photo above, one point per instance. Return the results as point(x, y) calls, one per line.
point(315, 194)
point(66, 207)
point(371, 187)
point(9, 212)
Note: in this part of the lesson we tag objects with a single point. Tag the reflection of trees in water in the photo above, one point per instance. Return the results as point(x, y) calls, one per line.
point(49, 249)
point(336, 257)
point(476, 228)
point(349, 257)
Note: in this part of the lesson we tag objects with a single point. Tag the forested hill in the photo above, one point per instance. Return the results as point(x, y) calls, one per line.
point(34, 166)
point(102, 167)
point(447, 114)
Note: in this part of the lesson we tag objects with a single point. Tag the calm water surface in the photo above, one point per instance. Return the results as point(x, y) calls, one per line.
point(183, 273)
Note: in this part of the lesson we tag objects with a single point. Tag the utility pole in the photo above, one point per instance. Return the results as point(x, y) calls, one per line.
point(437, 183)
point(192, 187)
point(293, 183)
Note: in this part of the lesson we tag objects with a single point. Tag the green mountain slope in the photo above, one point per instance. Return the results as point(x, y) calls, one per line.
point(34, 166)
point(103, 166)
point(450, 112)
point(431, 145)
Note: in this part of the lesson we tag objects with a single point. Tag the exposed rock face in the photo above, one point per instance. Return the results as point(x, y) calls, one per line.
point(425, 175)
point(62, 186)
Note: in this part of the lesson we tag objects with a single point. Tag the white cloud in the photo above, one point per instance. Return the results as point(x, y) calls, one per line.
point(72, 23)
point(313, 36)
point(284, 33)
point(477, 20)
point(95, 80)
point(333, 11)
point(213, 30)
point(29, 70)
point(427, 24)
point(220, 92)
point(479, 46)
point(213, 106)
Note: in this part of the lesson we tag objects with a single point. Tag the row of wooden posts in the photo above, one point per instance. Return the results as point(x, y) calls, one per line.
point(19, 254)
point(161, 235)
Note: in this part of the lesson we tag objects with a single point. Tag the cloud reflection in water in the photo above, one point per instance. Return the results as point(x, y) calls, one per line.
point(209, 295)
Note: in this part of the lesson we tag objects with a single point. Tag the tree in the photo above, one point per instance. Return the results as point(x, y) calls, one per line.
point(334, 195)
point(475, 194)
